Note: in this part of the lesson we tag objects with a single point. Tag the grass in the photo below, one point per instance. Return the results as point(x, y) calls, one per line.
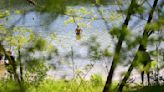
point(49, 85)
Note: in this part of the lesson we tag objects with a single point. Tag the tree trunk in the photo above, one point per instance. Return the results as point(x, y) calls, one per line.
point(118, 48)
point(13, 64)
point(142, 47)
point(73, 63)
point(20, 65)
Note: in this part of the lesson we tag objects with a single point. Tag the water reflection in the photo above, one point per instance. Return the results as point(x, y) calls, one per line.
point(78, 37)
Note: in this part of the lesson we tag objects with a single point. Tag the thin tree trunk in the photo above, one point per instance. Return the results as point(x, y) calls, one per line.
point(118, 48)
point(142, 47)
point(13, 64)
point(73, 63)
point(20, 65)
point(157, 68)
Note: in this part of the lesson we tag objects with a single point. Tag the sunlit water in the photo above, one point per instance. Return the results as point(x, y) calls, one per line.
point(66, 39)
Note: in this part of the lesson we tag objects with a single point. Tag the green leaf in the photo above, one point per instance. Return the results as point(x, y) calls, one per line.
point(153, 64)
point(70, 20)
point(152, 26)
point(18, 12)
point(53, 36)
point(4, 14)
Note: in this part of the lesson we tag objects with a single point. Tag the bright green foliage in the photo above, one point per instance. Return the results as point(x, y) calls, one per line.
point(95, 52)
point(161, 22)
point(116, 32)
point(34, 58)
point(153, 64)
point(152, 26)
point(20, 37)
point(4, 14)
point(142, 56)
point(35, 72)
point(3, 31)
point(83, 11)
point(114, 16)
point(40, 44)
point(94, 49)
point(35, 50)
point(106, 53)
point(96, 80)
point(57, 6)
point(76, 16)
point(153, 53)
point(11, 86)
point(65, 86)
point(53, 36)
point(70, 20)
point(50, 85)
point(60, 6)
point(18, 12)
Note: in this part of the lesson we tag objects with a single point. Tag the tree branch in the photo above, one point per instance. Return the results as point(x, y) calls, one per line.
point(116, 56)
point(142, 47)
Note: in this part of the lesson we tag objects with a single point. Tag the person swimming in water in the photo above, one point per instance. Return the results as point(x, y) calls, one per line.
point(78, 30)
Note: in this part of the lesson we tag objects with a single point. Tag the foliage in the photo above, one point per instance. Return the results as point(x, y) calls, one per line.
point(96, 80)
point(35, 50)
point(11, 86)
point(94, 49)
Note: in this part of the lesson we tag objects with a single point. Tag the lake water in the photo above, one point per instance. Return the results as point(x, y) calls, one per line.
point(66, 39)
